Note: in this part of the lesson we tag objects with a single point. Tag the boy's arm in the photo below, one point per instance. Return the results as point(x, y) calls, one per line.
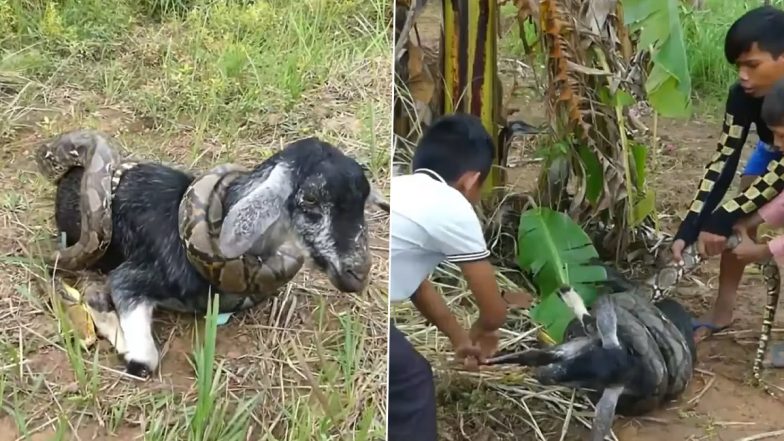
point(461, 240)
point(430, 303)
point(427, 300)
point(720, 170)
point(760, 192)
point(480, 276)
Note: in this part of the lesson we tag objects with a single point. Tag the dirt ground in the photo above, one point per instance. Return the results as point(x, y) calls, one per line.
point(720, 404)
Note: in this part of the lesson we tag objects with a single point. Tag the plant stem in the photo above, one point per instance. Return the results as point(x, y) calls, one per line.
point(624, 140)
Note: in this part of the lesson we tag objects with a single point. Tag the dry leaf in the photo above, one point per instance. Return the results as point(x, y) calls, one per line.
point(518, 299)
point(420, 81)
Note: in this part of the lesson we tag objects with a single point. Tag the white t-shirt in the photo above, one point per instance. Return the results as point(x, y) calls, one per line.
point(430, 222)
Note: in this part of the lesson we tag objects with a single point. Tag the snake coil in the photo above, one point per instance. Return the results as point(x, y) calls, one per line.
point(653, 331)
point(243, 281)
point(92, 151)
point(656, 289)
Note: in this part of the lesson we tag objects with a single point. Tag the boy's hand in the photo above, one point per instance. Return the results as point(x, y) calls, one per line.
point(487, 341)
point(709, 244)
point(677, 250)
point(748, 251)
point(467, 353)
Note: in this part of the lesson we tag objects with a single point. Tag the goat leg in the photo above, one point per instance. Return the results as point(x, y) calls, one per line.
point(529, 357)
point(377, 199)
point(135, 312)
point(605, 412)
point(541, 357)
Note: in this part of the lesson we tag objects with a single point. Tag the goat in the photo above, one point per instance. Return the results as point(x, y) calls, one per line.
point(309, 193)
point(632, 354)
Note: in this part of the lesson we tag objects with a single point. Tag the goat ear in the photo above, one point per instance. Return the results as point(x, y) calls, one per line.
point(607, 321)
point(255, 213)
point(605, 412)
point(376, 198)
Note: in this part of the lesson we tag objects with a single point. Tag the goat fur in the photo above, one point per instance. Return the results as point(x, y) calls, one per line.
point(614, 357)
point(322, 208)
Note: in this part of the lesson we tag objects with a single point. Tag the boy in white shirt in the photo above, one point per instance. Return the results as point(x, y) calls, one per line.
point(432, 220)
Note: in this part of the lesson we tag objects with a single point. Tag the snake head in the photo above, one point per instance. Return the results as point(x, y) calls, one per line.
point(55, 156)
point(314, 192)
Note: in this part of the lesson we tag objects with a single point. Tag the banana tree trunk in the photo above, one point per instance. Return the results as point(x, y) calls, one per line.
point(469, 68)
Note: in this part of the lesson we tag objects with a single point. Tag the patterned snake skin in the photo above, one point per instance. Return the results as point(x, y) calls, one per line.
point(243, 281)
point(657, 287)
point(770, 271)
point(92, 151)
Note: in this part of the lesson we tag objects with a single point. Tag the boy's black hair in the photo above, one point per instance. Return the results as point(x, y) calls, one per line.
point(763, 25)
point(455, 144)
point(772, 111)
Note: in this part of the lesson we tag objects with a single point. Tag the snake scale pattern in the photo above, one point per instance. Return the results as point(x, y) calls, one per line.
point(657, 287)
point(200, 219)
point(770, 272)
point(243, 281)
point(92, 151)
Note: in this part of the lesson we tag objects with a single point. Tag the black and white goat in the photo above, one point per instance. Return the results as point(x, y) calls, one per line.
point(632, 354)
point(321, 194)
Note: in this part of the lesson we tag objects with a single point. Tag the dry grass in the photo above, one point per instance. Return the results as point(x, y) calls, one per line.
point(205, 87)
point(498, 402)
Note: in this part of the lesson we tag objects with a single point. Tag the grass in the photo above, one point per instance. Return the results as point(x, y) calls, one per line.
point(507, 403)
point(194, 83)
point(704, 33)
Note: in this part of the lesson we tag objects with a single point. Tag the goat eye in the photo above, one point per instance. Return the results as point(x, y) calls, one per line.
point(309, 200)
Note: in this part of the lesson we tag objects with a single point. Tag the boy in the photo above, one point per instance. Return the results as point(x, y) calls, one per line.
point(771, 213)
point(432, 220)
point(755, 44)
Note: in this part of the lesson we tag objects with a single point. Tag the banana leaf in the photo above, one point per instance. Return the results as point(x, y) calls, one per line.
point(555, 251)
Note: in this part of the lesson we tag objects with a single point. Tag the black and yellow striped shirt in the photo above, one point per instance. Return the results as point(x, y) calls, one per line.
point(741, 111)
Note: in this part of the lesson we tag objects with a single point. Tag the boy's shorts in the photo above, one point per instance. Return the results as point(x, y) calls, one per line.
point(412, 396)
point(762, 154)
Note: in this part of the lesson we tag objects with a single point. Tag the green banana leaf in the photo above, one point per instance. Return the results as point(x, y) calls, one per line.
point(556, 251)
point(668, 85)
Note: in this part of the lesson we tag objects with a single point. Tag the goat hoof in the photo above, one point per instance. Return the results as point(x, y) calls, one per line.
point(138, 369)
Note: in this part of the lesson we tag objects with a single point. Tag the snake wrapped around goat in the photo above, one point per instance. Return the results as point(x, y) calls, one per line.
point(666, 278)
point(200, 219)
point(242, 282)
point(90, 150)
point(634, 357)
point(653, 333)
